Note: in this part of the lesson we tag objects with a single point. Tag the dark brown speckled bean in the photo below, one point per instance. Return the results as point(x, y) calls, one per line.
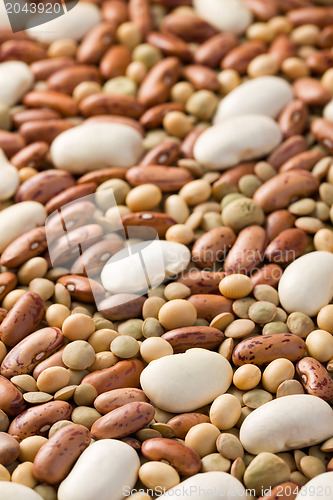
point(315, 378)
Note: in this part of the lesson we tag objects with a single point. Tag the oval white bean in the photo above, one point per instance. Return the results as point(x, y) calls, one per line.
point(9, 178)
point(15, 80)
point(226, 15)
point(16, 491)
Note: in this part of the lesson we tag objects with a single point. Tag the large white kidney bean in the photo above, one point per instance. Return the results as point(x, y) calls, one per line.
point(225, 15)
point(266, 95)
point(237, 139)
point(307, 283)
point(319, 487)
point(328, 111)
point(96, 145)
point(287, 423)
point(9, 178)
point(15, 80)
point(206, 486)
point(124, 272)
point(18, 219)
point(102, 472)
point(184, 382)
point(75, 23)
point(16, 491)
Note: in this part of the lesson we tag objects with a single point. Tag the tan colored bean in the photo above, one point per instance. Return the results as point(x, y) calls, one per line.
point(33, 268)
point(56, 315)
point(277, 372)
point(30, 446)
point(239, 328)
point(319, 345)
point(325, 318)
point(143, 197)
point(103, 359)
point(256, 397)
point(195, 192)
point(323, 240)
point(247, 377)
point(85, 416)
point(11, 298)
point(158, 475)
point(155, 348)
point(101, 339)
point(78, 327)
point(236, 286)
point(132, 328)
point(263, 65)
point(229, 446)
point(124, 346)
point(215, 462)
point(312, 466)
point(180, 233)
point(4, 473)
point(177, 313)
point(300, 324)
point(23, 475)
point(52, 379)
point(225, 411)
point(85, 395)
point(202, 438)
point(176, 291)
point(288, 388)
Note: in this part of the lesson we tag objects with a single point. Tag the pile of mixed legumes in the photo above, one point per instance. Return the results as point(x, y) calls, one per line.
point(210, 125)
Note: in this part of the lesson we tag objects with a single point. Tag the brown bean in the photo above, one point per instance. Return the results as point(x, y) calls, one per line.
point(46, 67)
point(320, 16)
point(122, 306)
point(185, 460)
point(311, 91)
point(101, 175)
point(287, 246)
point(211, 52)
point(94, 258)
point(38, 420)
point(234, 175)
point(115, 61)
point(183, 422)
point(201, 281)
point(165, 154)
point(201, 77)
point(283, 491)
point(287, 5)
point(325, 38)
point(213, 246)
point(9, 449)
point(304, 161)
point(61, 103)
point(56, 457)
point(11, 398)
point(319, 62)
point(189, 28)
point(43, 130)
point(262, 10)
point(293, 118)
point(153, 117)
point(32, 155)
point(30, 351)
point(44, 185)
point(65, 80)
point(53, 360)
point(11, 143)
point(282, 48)
point(188, 337)
point(8, 282)
point(123, 105)
point(110, 400)
point(123, 374)
point(22, 319)
point(28, 115)
point(166, 178)
point(140, 14)
point(66, 248)
point(75, 216)
point(323, 131)
point(278, 191)
point(190, 139)
point(68, 195)
point(82, 288)
point(315, 378)
point(208, 305)
point(270, 274)
point(170, 45)
point(115, 12)
point(247, 251)
point(263, 349)
point(278, 221)
point(289, 148)
point(95, 43)
point(240, 57)
point(123, 421)
point(158, 82)
point(22, 50)
point(157, 221)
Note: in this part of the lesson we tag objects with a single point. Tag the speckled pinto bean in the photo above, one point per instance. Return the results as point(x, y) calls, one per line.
point(247, 251)
point(123, 421)
point(201, 281)
point(280, 190)
point(43, 186)
point(185, 460)
point(22, 319)
point(123, 374)
point(188, 337)
point(315, 378)
point(82, 288)
point(166, 178)
point(264, 349)
point(110, 400)
point(8, 281)
point(209, 305)
point(56, 457)
point(38, 420)
point(11, 399)
point(213, 246)
point(30, 351)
